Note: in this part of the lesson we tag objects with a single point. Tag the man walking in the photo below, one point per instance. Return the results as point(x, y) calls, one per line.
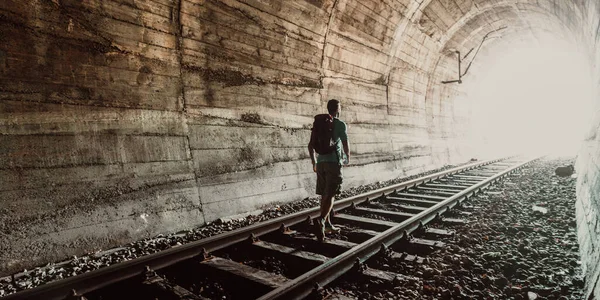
point(330, 140)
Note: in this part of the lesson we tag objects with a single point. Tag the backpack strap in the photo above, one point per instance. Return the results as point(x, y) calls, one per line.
point(333, 131)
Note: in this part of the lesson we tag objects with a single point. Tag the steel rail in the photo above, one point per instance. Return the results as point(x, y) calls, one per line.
point(94, 280)
point(303, 285)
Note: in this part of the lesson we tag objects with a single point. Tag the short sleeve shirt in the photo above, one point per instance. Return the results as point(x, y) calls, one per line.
point(339, 135)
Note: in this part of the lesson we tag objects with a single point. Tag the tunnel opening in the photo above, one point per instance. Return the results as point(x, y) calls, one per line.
point(532, 96)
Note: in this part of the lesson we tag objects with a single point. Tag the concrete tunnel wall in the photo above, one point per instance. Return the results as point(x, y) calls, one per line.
point(122, 119)
point(588, 167)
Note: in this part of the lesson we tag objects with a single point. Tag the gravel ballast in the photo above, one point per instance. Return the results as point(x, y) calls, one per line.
point(520, 243)
point(28, 279)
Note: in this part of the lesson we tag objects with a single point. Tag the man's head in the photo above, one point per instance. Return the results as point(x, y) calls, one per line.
point(334, 107)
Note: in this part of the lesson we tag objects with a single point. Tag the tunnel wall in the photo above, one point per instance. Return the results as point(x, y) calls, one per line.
point(123, 119)
point(588, 167)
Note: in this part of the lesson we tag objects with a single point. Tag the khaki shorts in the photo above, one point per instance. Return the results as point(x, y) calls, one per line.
point(329, 178)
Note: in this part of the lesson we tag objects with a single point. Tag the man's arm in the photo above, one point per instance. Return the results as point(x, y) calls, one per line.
point(344, 138)
point(346, 150)
point(311, 153)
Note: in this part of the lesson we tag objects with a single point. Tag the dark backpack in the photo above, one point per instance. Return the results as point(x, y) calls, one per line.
point(321, 137)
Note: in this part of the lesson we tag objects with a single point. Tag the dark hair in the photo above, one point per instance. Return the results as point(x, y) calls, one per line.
point(332, 106)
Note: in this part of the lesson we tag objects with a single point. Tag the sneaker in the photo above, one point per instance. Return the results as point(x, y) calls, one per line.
point(331, 228)
point(320, 229)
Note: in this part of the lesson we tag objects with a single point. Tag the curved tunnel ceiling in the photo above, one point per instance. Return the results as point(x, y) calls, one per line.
point(465, 23)
point(519, 16)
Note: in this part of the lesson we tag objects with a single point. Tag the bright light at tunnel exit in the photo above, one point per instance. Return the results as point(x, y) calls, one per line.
point(533, 99)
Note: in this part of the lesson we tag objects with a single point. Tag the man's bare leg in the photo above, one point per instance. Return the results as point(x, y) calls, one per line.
point(328, 218)
point(328, 224)
point(326, 205)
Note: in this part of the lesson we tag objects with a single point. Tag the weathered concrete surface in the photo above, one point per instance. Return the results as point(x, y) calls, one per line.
point(122, 119)
point(588, 169)
point(588, 165)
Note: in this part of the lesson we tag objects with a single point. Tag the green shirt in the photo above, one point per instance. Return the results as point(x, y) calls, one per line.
point(339, 135)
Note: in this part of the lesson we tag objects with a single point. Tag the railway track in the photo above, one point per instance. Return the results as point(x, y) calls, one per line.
point(386, 221)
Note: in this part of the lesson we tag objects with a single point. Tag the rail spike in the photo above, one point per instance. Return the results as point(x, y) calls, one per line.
point(437, 217)
point(285, 230)
point(74, 296)
point(309, 221)
point(359, 266)
point(252, 238)
point(204, 254)
point(421, 228)
point(459, 203)
point(406, 236)
point(317, 293)
point(282, 228)
point(384, 250)
point(148, 272)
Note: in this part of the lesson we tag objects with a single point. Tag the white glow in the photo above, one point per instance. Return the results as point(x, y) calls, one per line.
point(534, 98)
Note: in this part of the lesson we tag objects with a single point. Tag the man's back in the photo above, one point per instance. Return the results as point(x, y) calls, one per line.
point(339, 135)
